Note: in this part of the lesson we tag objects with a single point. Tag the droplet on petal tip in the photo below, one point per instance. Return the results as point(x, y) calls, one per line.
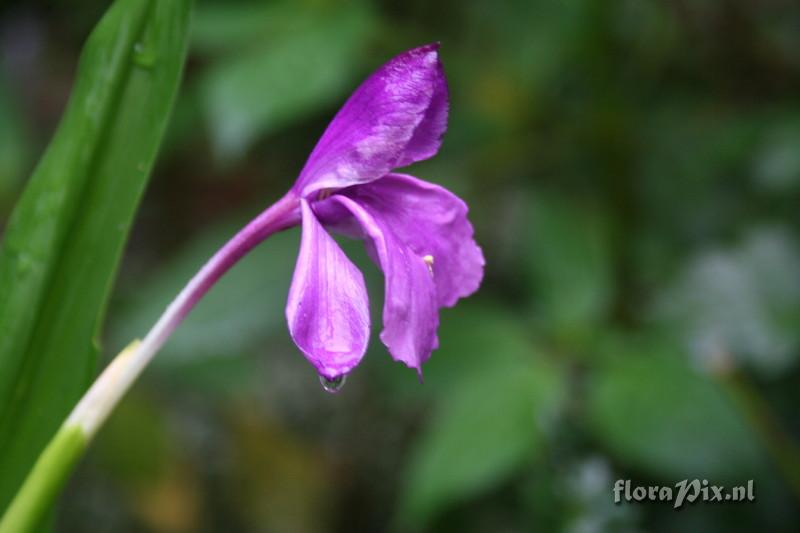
point(333, 385)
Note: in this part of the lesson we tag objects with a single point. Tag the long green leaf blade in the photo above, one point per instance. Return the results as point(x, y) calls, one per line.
point(66, 235)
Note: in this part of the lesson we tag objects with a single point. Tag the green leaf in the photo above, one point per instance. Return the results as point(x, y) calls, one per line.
point(66, 235)
point(487, 425)
point(306, 64)
point(571, 264)
point(655, 412)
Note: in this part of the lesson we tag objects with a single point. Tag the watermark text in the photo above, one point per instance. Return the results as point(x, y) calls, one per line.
point(684, 491)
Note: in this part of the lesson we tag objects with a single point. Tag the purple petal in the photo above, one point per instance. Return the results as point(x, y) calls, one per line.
point(397, 116)
point(327, 310)
point(432, 222)
point(427, 137)
point(410, 313)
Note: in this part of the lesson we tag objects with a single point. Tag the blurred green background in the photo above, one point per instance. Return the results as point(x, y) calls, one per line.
point(633, 174)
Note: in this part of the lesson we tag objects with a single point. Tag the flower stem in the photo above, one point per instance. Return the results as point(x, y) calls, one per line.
point(59, 457)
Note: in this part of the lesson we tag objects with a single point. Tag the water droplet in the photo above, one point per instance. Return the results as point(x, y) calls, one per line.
point(143, 56)
point(24, 265)
point(333, 385)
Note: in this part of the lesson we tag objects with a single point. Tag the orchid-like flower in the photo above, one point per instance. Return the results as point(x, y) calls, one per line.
point(417, 232)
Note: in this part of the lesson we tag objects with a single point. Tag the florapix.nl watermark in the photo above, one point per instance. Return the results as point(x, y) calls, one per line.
point(684, 491)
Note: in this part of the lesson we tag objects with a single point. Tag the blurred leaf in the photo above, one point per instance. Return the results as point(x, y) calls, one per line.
point(485, 427)
point(244, 308)
point(694, 160)
point(777, 162)
point(468, 333)
point(586, 483)
point(283, 482)
point(571, 264)
point(229, 27)
point(291, 75)
point(492, 330)
point(743, 302)
point(65, 237)
point(134, 447)
point(144, 456)
point(650, 29)
point(14, 149)
point(654, 412)
point(221, 377)
point(534, 37)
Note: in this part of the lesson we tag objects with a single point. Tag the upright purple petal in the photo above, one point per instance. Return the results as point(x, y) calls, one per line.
point(397, 116)
point(432, 222)
point(428, 135)
point(327, 309)
point(410, 313)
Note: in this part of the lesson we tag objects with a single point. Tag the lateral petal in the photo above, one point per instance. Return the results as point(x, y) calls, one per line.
point(410, 313)
point(397, 116)
point(432, 222)
point(327, 309)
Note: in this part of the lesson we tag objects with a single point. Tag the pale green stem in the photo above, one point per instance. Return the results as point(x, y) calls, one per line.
point(57, 461)
point(45, 481)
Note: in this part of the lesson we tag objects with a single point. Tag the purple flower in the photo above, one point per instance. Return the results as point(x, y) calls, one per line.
point(417, 232)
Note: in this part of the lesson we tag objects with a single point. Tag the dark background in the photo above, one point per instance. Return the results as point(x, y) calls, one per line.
point(633, 174)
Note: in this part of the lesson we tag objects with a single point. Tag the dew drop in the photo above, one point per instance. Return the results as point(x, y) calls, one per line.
point(24, 265)
point(143, 56)
point(332, 385)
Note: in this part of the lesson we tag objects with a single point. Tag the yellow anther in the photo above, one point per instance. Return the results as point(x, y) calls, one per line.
point(428, 259)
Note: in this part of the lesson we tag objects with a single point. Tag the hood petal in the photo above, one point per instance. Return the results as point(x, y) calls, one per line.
point(327, 310)
point(410, 313)
point(397, 116)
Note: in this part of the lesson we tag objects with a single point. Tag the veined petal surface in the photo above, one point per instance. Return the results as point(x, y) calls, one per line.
point(327, 309)
point(396, 117)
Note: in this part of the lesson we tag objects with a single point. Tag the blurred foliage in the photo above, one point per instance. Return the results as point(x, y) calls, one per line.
point(570, 265)
point(748, 297)
point(14, 148)
point(641, 378)
point(633, 174)
point(489, 422)
point(281, 70)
